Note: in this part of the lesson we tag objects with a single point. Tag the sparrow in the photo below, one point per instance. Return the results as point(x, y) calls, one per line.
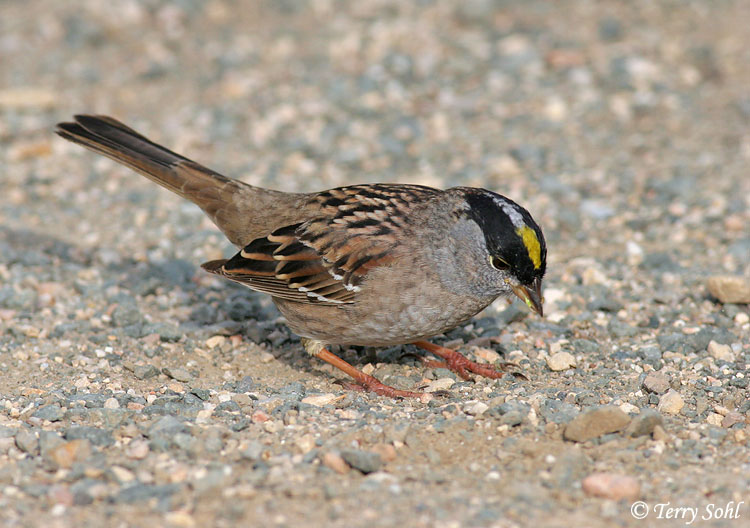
point(372, 264)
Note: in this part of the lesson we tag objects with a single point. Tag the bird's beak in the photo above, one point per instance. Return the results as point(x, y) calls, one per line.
point(531, 295)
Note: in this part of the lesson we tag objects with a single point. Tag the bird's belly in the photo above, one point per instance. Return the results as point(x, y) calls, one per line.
point(374, 325)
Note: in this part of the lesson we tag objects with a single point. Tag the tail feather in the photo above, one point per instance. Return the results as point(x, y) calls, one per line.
point(231, 204)
point(111, 138)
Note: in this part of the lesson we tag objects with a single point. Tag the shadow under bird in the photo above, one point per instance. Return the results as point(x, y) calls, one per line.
point(372, 264)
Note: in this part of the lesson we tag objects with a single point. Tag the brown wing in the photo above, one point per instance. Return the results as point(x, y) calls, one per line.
point(324, 260)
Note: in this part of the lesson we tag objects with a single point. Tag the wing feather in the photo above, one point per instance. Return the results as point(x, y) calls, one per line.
point(325, 259)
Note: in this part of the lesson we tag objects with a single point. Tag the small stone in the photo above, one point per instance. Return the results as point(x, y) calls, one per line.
point(561, 361)
point(621, 329)
point(596, 422)
point(714, 419)
point(27, 442)
point(552, 410)
point(656, 383)
point(644, 423)
point(611, 486)
point(386, 451)
point(203, 394)
point(732, 417)
point(178, 373)
point(305, 443)
point(365, 461)
point(259, 416)
point(215, 341)
point(145, 371)
point(475, 408)
point(336, 462)
point(246, 384)
point(111, 403)
point(721, 352)
point(167, 425)
point(65, 455)
point(440, 384)
point(47, 441)
point(730, 289)
point(273, 426)
point(252, 451)
point(126, 314)
point(137, 449)
point(52, 413)
point(320, 400)
point(176, 386)
point(122, 474)
point(486, 354)
point(660, 435)
point(671, 402)
point(180, 519)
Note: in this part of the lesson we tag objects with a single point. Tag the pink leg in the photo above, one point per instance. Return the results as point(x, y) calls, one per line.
point(459, 364)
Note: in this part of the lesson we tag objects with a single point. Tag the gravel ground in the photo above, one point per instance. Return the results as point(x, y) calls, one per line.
point(137, 390)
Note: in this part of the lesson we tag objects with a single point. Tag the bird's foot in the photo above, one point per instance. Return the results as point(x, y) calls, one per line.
point(362, 381)
point(462, 366)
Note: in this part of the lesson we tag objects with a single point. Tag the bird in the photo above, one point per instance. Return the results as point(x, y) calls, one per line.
point(377, 264)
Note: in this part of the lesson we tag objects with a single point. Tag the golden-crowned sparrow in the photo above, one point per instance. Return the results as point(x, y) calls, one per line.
point(373, 264)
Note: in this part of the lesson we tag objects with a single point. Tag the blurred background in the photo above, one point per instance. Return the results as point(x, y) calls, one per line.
point(624, 128)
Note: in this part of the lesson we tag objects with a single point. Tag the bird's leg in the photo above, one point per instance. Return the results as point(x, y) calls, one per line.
point(318, 350)
point(459, 364)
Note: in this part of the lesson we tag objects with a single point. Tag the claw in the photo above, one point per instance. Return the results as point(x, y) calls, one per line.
point(461, 365)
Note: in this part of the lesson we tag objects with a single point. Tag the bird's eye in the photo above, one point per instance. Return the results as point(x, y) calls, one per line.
point(498, 263)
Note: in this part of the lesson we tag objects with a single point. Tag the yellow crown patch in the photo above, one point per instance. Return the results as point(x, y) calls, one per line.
point(531, 242)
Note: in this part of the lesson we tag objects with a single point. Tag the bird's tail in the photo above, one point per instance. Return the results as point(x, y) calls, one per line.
point(220, 197)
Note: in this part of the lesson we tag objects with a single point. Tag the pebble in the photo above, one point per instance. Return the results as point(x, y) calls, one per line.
point(558, 412)
point(68, 453)
point(656, 382)
point(215, 341)
point(320, 400)
point(27, 442)
point(386, 451)
point(561, 361)
point(178, 373)
point(596, 422)
point(122, 474)
point(643, 424)
point(52, 413)
point(305, 443)
point(732, 418)
point(137, 449)
point(487, 355)
point(612, 486)
point(721, 352)
point(730, 289)
point(336, 462)
point(476, 408)
point(145, 371)
point(126, 314)
point(364, 461)
point(440, 385)
point(671, 402)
